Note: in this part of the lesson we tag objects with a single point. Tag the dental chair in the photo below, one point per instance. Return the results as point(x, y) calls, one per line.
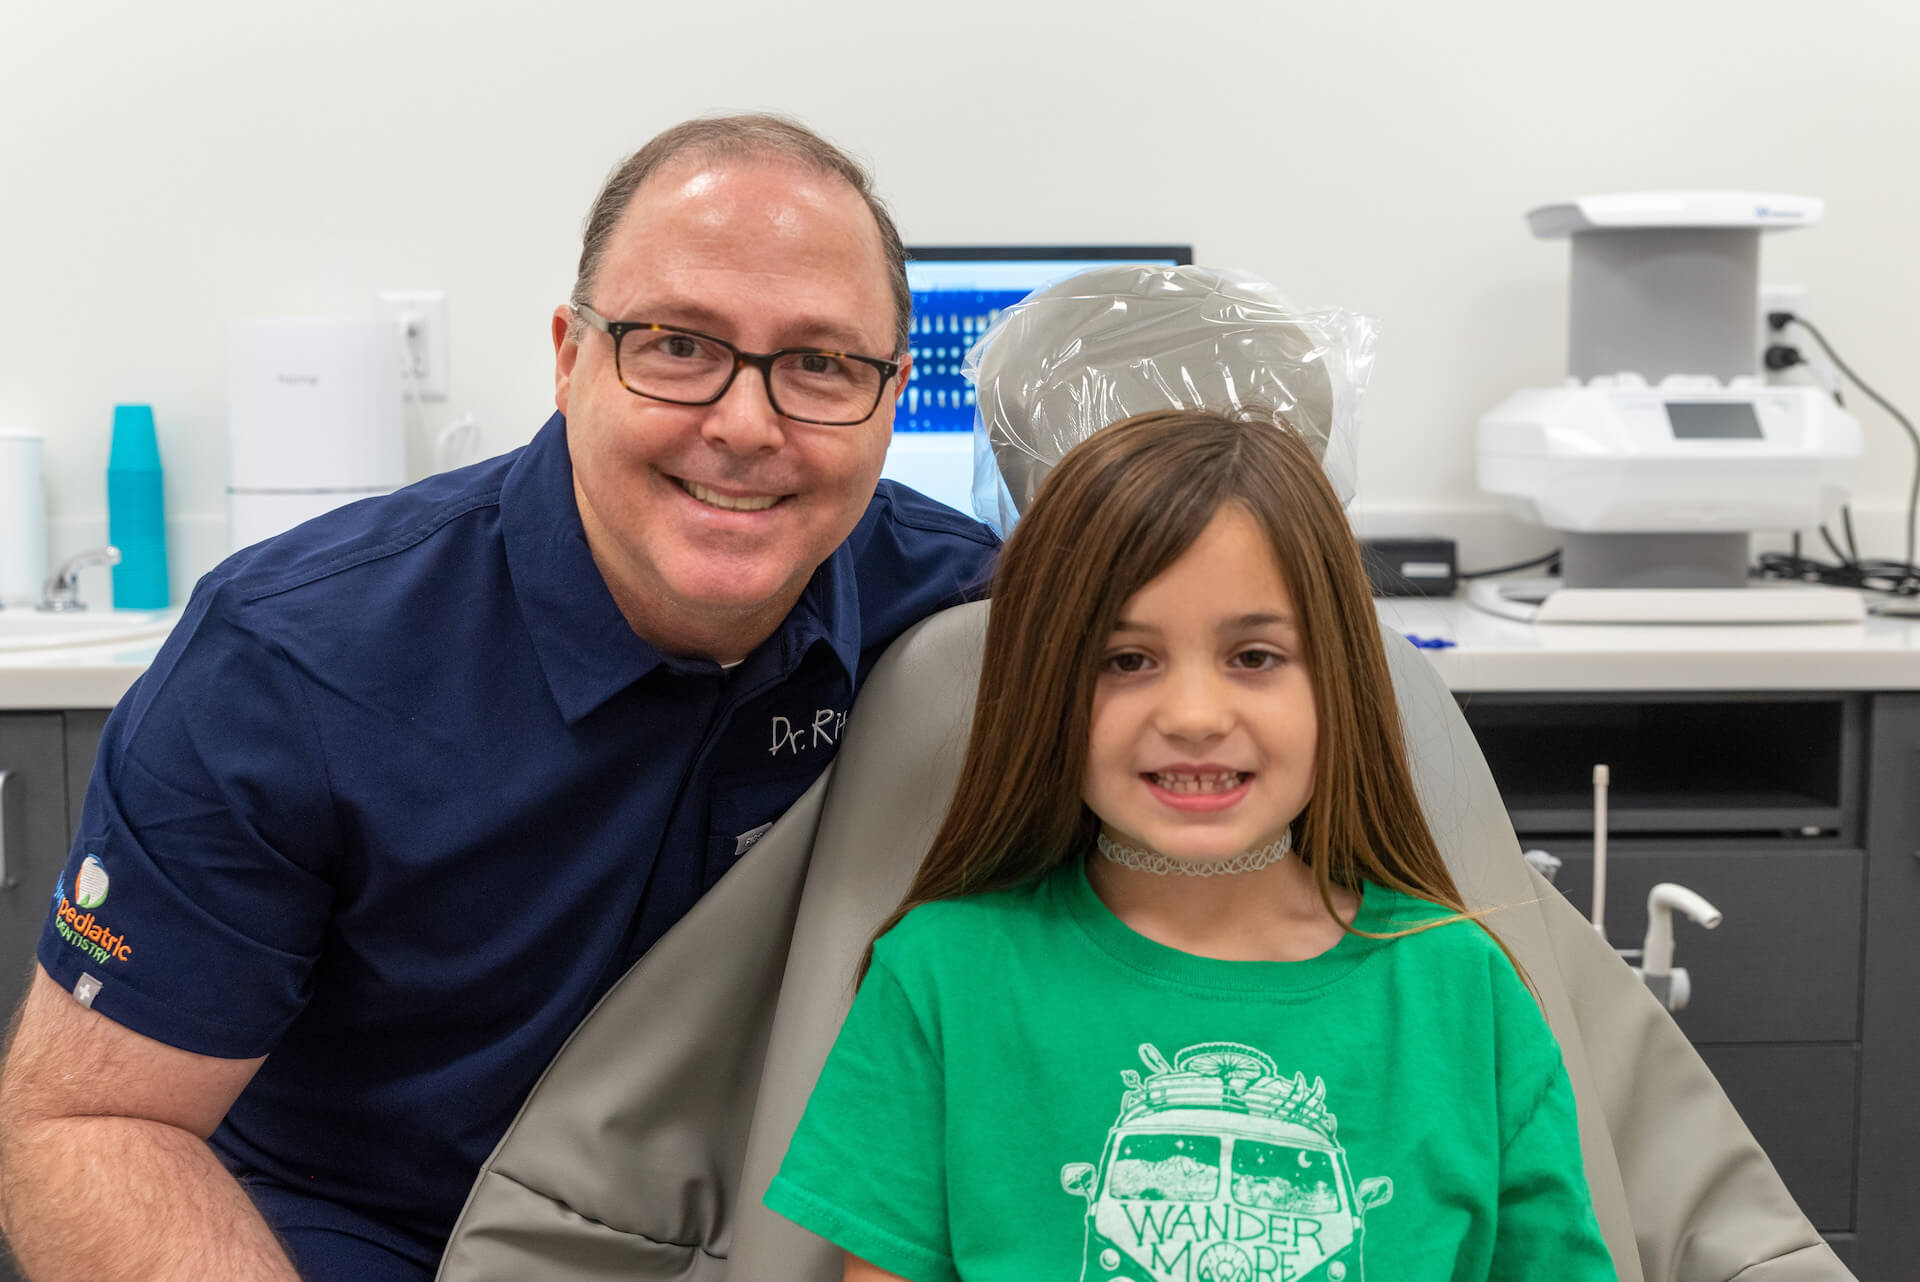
point(644, 1150)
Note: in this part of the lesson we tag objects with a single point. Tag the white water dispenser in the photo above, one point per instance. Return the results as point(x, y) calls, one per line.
point(315, 419)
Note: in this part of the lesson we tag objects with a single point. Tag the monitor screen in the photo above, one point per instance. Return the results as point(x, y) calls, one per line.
point(1713, 421)
point(958, 292)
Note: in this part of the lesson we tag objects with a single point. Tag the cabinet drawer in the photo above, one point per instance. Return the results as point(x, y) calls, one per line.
point(83, 744)
point(1784, 965)
point(33, 753)
point(1800, 1103)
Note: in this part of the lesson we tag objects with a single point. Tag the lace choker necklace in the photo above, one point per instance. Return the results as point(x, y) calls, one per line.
point(1152, 861)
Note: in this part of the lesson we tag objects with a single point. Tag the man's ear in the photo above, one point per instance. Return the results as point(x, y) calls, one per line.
point(906, 372)
point(566, 350)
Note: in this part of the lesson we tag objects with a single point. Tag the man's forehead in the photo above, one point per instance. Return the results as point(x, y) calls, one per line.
point(788, 198)
point(701, 236)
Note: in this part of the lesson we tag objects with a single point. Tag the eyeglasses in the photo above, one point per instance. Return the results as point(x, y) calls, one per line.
point(686, 367)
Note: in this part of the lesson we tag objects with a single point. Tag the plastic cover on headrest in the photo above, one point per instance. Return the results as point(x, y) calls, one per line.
point(1113, 342)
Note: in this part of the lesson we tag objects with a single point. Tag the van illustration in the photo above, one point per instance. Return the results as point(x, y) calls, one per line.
point(1221, 1170)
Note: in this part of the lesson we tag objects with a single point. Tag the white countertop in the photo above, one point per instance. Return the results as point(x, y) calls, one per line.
point(1489, 654)
point(1493, 654)
point(79, 676)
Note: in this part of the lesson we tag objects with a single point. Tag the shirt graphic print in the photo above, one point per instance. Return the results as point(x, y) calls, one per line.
point(1221, 1169)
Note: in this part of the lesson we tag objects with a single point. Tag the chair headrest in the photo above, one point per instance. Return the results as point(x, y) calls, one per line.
point(1113, 342)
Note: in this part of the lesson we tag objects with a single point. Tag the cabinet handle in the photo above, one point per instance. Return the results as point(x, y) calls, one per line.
point(13, 821)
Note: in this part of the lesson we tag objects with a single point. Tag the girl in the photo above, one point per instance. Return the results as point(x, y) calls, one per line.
point(1184, 991)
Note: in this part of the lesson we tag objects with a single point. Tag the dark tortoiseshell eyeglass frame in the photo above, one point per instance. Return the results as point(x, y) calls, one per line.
point(762, 361)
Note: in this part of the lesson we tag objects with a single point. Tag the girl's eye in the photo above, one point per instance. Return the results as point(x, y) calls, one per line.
point(1258, 660)
point(1126, 662)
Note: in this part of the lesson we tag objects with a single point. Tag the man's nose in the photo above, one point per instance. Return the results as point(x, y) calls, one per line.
point(744, 420)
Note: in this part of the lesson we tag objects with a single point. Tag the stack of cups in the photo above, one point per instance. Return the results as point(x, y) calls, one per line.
point(136, 511)
point(23, 518)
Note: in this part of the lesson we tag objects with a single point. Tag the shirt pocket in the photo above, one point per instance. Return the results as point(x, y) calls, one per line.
point(745, 804)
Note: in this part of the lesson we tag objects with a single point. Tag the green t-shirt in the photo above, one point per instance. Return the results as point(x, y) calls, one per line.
point(1026, 1090)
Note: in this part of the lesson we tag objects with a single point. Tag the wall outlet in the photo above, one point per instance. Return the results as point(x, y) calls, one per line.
point(1780, 298)
point(421, 315)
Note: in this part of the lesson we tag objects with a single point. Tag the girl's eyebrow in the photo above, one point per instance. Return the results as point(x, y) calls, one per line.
point(1241, 623)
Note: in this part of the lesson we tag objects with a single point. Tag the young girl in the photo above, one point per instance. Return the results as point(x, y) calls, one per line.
point(1184, 991)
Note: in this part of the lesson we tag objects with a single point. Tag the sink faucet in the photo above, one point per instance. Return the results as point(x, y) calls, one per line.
point(62, 592)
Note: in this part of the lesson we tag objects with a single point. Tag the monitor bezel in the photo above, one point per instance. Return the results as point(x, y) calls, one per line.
point(1182, 255)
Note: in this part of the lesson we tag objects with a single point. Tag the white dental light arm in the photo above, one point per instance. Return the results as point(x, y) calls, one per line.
point(1669, 982)
point(1602, 777)
point(1662, 900)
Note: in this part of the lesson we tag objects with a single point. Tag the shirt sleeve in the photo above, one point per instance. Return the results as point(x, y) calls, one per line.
point(1545, 1225)
point(867, 1167)
point(196, 897)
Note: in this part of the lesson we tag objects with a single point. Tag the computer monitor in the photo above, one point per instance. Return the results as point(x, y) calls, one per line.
point(958, 291)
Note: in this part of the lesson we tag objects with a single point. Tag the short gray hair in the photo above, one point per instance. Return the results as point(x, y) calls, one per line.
point(735, 137)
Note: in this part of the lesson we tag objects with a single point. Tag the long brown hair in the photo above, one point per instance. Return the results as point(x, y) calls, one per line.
point(1116, 511)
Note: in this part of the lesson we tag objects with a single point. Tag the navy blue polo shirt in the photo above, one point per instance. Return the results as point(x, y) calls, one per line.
point(403, 795)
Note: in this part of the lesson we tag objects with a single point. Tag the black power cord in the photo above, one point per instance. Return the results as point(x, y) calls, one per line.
point(1900, 577)
point(1893, 578)
point(1784, 356)
point(1550, 560)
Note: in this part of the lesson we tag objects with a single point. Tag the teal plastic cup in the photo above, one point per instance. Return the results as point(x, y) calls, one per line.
point(137, 512)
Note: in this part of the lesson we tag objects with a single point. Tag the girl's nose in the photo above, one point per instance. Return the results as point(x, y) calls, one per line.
point(1196, 704)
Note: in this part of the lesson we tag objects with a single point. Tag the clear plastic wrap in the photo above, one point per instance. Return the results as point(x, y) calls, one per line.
point(1117, 341)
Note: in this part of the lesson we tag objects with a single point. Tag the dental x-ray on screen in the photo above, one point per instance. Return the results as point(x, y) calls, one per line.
point(958, 291)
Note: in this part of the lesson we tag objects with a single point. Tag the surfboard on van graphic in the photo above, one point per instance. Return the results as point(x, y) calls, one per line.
point(1221, 1170)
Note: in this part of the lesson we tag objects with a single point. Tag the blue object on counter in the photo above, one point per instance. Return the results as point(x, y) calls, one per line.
point(1430, 643)
point(137, 511)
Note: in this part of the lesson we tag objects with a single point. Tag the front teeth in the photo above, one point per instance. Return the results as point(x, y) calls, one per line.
point(759, 503)
point(1222, 781)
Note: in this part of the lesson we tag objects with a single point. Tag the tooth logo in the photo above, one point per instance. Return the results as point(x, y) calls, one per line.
point(90, 888)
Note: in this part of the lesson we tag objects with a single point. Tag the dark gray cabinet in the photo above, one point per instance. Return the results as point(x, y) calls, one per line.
point(45, 758)
point(1797, 815)
point(35, 826)
point(1888, 1187)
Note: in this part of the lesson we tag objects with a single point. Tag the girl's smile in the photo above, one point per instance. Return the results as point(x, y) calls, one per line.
point(1198, 788)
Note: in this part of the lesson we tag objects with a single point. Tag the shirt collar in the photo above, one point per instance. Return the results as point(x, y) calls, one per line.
point(586, 649)
point(828, 612)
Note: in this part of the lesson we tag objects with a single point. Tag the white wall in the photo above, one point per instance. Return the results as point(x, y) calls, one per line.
point(167, 167)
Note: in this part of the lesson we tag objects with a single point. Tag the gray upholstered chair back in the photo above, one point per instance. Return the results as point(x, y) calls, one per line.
point(644, 1151)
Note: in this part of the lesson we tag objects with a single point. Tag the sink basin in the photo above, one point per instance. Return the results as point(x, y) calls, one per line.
point(24, 628)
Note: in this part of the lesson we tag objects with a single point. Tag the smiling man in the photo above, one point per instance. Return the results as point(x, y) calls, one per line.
point(413, 785)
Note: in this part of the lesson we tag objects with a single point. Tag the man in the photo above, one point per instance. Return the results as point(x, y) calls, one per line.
point(411, 786)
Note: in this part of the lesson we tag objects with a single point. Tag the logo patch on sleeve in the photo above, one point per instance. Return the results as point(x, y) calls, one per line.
point(90, 889)
point(80, 926)
point(85, 989)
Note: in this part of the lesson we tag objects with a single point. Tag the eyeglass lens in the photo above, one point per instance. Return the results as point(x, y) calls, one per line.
point(806, 385)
